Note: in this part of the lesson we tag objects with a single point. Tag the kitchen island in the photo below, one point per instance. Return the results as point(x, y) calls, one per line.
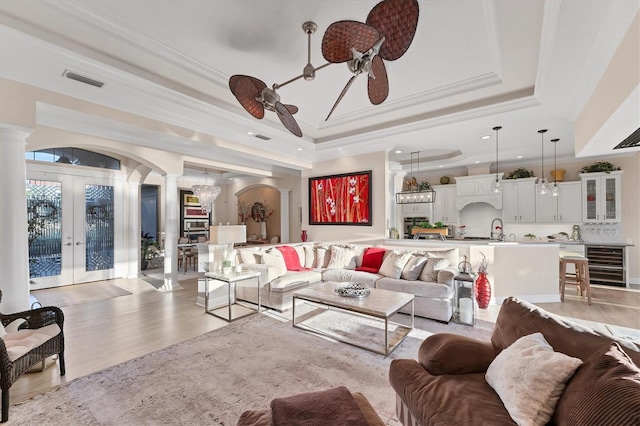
point(527, 270)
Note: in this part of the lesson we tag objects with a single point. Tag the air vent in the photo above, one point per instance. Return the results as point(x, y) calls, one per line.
point(632, 141)
point(83, 79)
point(263, 137)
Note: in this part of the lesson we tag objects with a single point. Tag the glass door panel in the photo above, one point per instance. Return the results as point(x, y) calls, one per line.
point(44, 218)
point(94, 234)
point(591, 199)
point(610, 198)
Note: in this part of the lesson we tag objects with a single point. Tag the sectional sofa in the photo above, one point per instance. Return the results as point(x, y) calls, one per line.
point(427, 273)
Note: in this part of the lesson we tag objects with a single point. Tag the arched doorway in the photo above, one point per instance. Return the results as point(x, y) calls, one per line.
point(270, 198)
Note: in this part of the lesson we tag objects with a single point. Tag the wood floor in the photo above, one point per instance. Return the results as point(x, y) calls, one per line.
point(103, 333)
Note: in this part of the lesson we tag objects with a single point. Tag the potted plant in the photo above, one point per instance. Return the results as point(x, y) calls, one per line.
point(520, 172)
point(530, 236)
point(149, 248)
point(226, 266)
point(600, 166)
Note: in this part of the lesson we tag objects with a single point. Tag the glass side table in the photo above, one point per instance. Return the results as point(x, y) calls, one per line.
point(232, 310)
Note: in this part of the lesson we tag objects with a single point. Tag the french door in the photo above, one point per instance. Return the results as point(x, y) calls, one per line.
point(74, 227)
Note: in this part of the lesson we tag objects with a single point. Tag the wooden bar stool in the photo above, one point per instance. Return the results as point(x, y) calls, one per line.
point(580, 278)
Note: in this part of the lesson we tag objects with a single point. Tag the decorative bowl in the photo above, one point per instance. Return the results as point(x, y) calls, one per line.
point(353, 290)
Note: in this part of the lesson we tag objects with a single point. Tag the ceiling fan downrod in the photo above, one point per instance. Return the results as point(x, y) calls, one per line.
point(309, 71)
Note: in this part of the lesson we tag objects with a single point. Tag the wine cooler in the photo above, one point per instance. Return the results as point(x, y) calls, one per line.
point(607, 265)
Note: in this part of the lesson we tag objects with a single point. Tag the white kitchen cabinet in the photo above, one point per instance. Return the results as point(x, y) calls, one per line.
point(546, 208)
point(570, 202)
point(473, 185)
point(565, 208)
point(419, 209)
point(601, 201)
point(519, 200)
point(444, 208)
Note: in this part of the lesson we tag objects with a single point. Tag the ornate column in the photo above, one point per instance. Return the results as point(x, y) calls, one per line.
point(171, 207)
point(133, 231)
point(14, 262)
point(284, 215)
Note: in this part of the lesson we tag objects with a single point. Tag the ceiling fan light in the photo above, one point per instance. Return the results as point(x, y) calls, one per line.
point(309, 72)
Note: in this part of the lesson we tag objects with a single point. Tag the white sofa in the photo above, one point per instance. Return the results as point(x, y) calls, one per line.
point(338, 263)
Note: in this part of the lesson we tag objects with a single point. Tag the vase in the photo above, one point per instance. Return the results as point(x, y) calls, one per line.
point(558, 175)
point(263, 230)
point(304, 236)
point(483, 290)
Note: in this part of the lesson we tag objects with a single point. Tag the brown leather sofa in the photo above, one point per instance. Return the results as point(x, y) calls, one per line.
point(447, 385)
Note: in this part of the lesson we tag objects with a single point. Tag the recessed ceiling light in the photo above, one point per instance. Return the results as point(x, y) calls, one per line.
point(398, 151)
point(440, 166)
point(339, 149)
point(250, 133)
point(519, 156)
point(299, 149)
point(485, 137)
point(477, 162)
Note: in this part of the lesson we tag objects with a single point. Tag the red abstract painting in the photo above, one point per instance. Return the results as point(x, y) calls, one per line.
point(340, 199)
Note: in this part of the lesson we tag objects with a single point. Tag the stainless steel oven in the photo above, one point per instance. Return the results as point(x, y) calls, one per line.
point(410, 222)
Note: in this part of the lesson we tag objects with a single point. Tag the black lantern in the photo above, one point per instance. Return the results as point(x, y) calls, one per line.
point(464, 298)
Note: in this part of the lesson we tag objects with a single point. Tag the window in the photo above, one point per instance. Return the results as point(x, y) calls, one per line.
point(75, 156)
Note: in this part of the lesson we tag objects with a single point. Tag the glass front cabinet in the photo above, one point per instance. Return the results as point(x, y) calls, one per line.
point(601, 197)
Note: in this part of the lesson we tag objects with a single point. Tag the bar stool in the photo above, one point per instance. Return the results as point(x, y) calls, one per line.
point(580, 278)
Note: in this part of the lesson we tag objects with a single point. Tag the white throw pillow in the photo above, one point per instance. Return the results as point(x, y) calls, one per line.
point(413, 268)
point(432, 267)
point(3, 332)
point(393, 263)
point(529, 378)
point(309, 255)
point(342, 258)
point(322, 257)
point(250, 257)
point(301, 254)
point(273, 257)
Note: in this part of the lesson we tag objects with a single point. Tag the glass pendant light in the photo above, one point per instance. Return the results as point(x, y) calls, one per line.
point(542, 186)
point(496, 186)
point(555, 189)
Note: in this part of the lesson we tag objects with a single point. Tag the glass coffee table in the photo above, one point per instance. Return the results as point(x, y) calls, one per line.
point(353, 316)
point(232, 310)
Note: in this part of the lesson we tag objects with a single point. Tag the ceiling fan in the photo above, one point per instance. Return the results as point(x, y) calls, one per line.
point(387, 34)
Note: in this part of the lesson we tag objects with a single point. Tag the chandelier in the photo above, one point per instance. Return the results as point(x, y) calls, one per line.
point(423, 192)
point(207, 195)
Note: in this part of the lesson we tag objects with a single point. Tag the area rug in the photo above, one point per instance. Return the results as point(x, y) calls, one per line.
point(78, 293)
point(213, 378)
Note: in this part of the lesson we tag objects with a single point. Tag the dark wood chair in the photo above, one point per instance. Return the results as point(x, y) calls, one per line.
point(39, 336)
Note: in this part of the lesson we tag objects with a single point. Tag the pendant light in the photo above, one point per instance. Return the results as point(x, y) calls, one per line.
point(496, 186)
point(424, 195)
point(555, 189)
point(542, 187)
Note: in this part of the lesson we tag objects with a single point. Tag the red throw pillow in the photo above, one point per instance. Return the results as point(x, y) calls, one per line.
point(372, 259)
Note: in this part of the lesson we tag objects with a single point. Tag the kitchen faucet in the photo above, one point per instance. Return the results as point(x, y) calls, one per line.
point(514, 236)
point(500, 233)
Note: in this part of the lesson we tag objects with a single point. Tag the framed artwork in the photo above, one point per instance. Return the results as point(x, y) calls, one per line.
point(343, 199)
point(190, 200)
point(195, 213)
